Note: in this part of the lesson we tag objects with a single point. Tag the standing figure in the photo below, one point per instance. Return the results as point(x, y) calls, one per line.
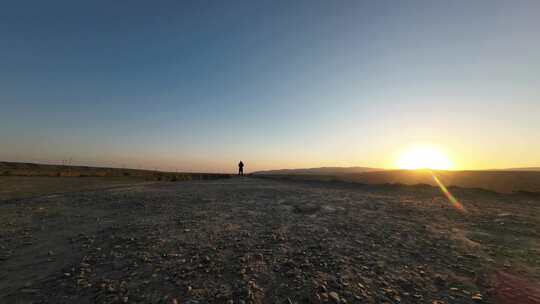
point(241, 168)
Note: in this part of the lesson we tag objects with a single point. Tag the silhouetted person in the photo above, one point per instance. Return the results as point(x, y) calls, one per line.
point(241, 168)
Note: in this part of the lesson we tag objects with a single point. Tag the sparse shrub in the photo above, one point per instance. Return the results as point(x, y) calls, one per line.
point(174, 178)
point(6, 173)
point(126, 174)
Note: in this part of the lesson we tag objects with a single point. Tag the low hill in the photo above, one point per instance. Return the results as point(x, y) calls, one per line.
point(521, 169)
point(500, 181)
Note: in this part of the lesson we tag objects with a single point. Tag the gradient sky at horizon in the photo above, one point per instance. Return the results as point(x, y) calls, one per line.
point(199, 85)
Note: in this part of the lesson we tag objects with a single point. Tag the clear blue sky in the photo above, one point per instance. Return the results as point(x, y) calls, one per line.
point(199, 85)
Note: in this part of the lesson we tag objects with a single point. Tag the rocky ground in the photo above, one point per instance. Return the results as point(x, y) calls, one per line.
point(250, 240)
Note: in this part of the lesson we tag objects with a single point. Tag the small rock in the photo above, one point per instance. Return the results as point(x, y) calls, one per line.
point(439, 281)
point(477, 297)
point(334, 296)
point(29, 290)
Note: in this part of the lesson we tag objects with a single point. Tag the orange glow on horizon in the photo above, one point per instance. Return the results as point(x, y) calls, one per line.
point(423, 157)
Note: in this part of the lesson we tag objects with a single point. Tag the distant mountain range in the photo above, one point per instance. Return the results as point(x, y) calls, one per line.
point(353, 170)
point(321, 171)
point(500, 180)
point(521, 169)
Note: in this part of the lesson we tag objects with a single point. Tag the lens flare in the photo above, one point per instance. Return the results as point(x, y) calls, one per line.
point(455, 203)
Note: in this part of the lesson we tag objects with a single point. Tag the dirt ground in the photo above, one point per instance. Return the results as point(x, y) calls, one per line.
point(251, 240)
point(12, 187)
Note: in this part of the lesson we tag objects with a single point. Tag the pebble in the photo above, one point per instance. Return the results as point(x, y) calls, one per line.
point(29, 290)
point(334, 296)
point(477, 297)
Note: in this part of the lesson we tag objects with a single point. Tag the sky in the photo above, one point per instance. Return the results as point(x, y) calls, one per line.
point(199, 85)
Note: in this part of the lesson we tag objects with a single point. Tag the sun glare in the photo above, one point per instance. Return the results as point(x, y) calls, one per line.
point(423, 157)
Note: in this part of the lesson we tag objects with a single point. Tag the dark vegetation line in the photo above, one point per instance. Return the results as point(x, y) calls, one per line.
point(31, 169)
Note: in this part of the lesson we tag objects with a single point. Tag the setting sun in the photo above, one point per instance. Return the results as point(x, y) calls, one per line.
point(424, 157)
